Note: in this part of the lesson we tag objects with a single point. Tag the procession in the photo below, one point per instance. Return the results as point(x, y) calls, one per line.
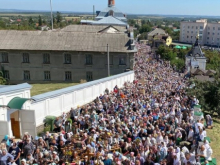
point(150, 121)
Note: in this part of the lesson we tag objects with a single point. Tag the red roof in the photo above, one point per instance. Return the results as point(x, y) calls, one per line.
point(18, 20)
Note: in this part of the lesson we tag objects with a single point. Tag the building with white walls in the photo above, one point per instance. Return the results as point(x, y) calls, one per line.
point(22, 113)
point(16, 116)
point(209, 32)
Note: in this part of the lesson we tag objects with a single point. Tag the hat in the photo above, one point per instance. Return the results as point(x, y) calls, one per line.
point(46, 152)
point(23, 160)
point(54, 152)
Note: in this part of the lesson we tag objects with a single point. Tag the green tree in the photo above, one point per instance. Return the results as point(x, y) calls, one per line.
point(2, 79)
point(213, 59)
point(40, 21)
point(208, 94)
point(179, 63)
point(145, 28)
point(166, 53)
point(30, 21)
point(59, 17)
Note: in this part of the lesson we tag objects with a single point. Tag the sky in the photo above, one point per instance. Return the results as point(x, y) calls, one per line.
point(168, 7)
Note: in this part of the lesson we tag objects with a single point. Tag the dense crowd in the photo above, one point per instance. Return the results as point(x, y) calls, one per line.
point(149, 121)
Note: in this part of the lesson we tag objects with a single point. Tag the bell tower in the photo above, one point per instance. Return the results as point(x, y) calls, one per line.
point(111, 3)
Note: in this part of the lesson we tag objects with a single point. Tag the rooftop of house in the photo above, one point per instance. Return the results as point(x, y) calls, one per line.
point(75, 38)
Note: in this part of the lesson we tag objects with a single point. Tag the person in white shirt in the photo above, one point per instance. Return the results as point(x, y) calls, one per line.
point(202, 152)
point(204, 132)
point(190, 135)
point(159, 138)
point(201, 135)
point(176, 161)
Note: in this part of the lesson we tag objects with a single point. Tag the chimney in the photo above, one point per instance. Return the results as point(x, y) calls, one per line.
point(111, 3)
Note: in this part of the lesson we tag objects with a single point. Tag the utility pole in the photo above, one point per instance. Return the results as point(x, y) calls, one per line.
point(93, 12)
point(51, 10)
point(108, 60)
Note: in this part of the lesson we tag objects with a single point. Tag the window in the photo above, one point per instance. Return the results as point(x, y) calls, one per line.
point(191, 31)
point(192, 27)
point(111, 13)
point(191, 37)
point(208, 28)
point(213, 33)
point(187, 31)
point(4, 57)
point(201, 27)
point(188, 27)
point(88, 59)
point(47, 75)
point(187, 36)
point(208, 33)
point(89, 76)
point(217, 39)
point(68, 76)
point(218, 28)
point(46, 58)
point(196, 27)
point(213, 28)
point(207, 38)
point(6, 74)
point(27, 75)
point(26, 58)
point(67, 58)
point(122, 61)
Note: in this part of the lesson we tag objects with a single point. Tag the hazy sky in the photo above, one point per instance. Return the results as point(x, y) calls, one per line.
point(177, 7)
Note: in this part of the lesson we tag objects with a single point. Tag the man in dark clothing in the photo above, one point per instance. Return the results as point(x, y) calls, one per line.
point(57, 124)
point(107, 161)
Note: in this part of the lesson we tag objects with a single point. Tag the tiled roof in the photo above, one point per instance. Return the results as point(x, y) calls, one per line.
point(83, 40)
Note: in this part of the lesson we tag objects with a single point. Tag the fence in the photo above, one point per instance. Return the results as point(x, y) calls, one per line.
point(59, 101)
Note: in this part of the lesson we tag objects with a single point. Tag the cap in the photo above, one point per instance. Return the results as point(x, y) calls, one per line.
point(23, 160)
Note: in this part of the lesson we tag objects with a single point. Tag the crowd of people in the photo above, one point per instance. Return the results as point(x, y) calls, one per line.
point(148, 121)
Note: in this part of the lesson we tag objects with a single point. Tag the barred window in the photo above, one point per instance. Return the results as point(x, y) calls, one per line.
point(46, 58)
point(88, 59)
point(68, 76)
point(122, 61)
point(27, 75)
point(47, 75)
point(67, 58)
point(26, 58)
point(89, 76)
point(4, 57)
point(6, 74)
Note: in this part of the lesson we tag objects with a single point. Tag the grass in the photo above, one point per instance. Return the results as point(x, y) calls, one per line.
point(214, 135)
point(42, 88)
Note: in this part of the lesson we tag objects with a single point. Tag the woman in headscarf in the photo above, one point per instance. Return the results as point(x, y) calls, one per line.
point(6, 158)
point(7, 141)
point(15, 151)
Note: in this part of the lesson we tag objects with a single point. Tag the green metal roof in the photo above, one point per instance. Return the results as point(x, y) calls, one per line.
point(17, 103)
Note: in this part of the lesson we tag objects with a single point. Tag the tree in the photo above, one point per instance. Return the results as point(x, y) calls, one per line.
point(59, 17)
point(145, 28)
point(2, 79)
point(40, 21)
point(30, 21)
point(213, 59)
point(166, 53)
point(208, 94)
